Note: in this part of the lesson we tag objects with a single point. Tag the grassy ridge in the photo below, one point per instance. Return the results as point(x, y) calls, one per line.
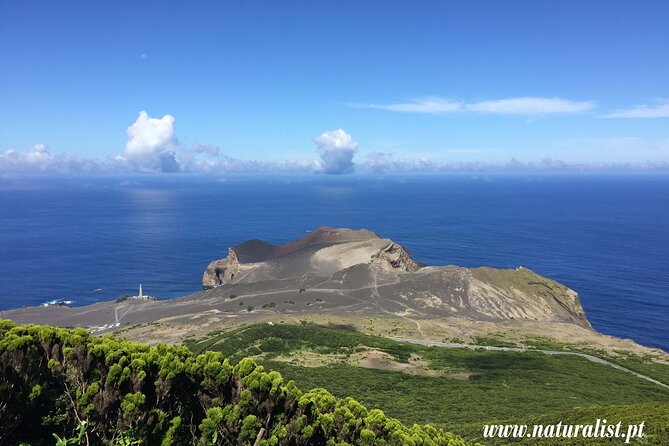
point(500, 385)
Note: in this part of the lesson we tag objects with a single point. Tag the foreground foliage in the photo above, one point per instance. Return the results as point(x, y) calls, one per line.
point(66, 386)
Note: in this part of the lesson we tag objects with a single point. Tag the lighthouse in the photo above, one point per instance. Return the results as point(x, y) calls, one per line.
point(142, 296)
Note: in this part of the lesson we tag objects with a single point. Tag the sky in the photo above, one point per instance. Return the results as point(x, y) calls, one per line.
point(332, 87)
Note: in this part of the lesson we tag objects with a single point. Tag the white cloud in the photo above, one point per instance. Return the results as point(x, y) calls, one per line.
point(38, 159)
point(381, 162)
point(151, 145)
point(659, 110)
point(389, 163)
point(530, 106)
point(527, 106)
point(336, 149)
point(223, 164)
point(433, 105)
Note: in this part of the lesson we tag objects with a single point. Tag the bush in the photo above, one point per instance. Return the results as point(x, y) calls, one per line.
point(67, 384)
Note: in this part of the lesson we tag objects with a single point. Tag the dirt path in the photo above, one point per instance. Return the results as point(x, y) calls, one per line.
point(377, 299)
point(530, 350)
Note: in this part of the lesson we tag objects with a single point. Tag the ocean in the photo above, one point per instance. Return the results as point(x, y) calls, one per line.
point(87, 239)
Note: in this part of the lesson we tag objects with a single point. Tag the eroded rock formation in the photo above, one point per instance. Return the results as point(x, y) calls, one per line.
point(221, 271)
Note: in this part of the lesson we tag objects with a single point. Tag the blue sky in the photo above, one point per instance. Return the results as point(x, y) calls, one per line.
point(406, 82)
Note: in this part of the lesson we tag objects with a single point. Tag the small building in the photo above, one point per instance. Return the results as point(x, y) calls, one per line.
point(142, 296)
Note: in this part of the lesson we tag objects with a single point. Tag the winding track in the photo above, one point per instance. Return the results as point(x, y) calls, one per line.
point(530, 350)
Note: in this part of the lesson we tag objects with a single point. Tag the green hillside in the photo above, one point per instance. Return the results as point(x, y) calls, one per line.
point(456, 389)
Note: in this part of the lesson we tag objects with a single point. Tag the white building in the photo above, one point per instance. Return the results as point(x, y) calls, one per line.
point(142, 296)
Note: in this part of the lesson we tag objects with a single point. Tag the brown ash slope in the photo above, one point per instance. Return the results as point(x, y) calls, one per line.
point(359, 271)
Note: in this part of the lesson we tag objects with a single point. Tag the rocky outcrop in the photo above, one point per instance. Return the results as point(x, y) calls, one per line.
point(221, 271)
point(395, 257)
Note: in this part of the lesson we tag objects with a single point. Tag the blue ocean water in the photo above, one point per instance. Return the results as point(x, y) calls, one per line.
point(605, 236)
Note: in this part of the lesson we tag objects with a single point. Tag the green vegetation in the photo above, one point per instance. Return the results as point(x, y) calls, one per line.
point(470, 388)
point(121, 299)
point(232, 296)
point(493, 341)
point(640, 364)
point(272, 339)
point(250, 308)
point(655, 415)
point(269, 305)
point(74, 388)
point(544, 343)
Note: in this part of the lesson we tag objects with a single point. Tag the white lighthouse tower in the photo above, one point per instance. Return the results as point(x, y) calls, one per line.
point(142, 296)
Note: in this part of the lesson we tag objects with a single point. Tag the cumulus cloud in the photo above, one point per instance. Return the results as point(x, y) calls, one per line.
point(38, 159)
point(151, 145)
point(528, 106)
point(659, 110)
point(335, 149)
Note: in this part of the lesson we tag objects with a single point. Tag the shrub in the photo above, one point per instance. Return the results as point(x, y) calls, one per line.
point(108, 390)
